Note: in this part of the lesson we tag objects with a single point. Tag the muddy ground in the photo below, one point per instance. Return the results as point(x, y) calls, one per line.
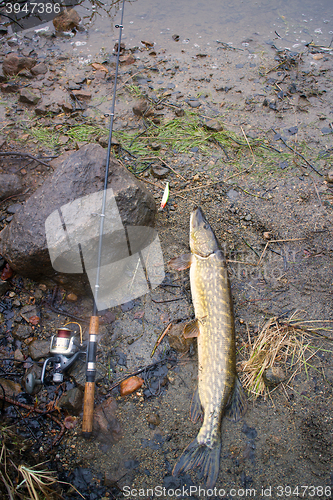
point(280, 98)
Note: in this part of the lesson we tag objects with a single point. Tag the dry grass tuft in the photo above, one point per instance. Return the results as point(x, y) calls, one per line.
point(288, 345)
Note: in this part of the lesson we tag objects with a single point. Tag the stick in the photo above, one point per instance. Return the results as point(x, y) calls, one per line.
point(25, 155)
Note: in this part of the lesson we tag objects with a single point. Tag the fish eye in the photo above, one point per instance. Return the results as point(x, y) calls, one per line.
point(206, 226)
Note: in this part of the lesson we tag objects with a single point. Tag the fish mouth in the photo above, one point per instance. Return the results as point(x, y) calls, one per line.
point(202, 238)
point(198, 219)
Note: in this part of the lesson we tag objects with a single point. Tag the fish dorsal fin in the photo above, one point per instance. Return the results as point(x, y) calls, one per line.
point(196, 411)
point(237, 407)
point(191, 330)
point(182, 262)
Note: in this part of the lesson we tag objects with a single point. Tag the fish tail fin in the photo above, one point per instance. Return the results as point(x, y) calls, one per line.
point(199, 455)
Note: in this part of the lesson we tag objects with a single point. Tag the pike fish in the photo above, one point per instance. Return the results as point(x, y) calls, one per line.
point(219, 391)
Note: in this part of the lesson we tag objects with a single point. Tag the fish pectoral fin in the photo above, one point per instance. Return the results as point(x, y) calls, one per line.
point(196, 411)
point(182, 262)
point(237, 407)
point(191, 330)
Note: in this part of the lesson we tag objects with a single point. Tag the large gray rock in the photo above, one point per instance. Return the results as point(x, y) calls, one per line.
point(76, 174)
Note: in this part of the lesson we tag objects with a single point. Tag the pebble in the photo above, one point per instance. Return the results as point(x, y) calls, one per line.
point(154, 419)
point(72, 297)
point(329, 177)
point(130, 385)
point(12, 209)
point(158, 171)
point(274, 375)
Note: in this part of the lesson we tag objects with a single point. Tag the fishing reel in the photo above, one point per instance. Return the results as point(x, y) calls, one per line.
point(65, 351)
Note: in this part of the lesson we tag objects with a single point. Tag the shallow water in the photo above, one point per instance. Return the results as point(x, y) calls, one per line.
point(199, 24)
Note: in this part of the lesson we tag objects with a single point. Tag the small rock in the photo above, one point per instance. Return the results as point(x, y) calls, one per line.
point(329, 177)
point(274, 375)
point(28, 312)
point(267, 235)
point(73, 86)
point(154, 419)
point(213, 125)
point(147, 44)
point(24, 73)
point(13, 64)
point(81, 94)
point(317, 57)
point(18, 355)
point(12, 209)
point(72, 401)
point(130, 385)
point(159, 171)
point(122, 47)
point(141, 108)
point(248, 217)
point(126, 60)
point(39, 349)
point(10, 184)
point(72, 297)
point(29, 97)
point(179, 112)
point(39, 69)
point(194, 103)
point(176, 38)
point(9, 88)
point(155, 146)
point(4, 285)
point(11, 388)
point(23, 332)
point(233, 195)
point(66, 20)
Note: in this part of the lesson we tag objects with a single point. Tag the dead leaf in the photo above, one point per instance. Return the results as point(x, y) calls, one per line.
point(7, 273)
point(34, 320)
point(100, 67)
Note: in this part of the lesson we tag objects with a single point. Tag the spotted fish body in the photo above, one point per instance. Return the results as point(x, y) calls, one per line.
point(219, 391)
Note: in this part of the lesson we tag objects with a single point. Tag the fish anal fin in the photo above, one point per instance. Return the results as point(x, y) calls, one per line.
point(191, 329)
point(199, 455)
point(182, 262)
point(238, 403)
point(196, 411)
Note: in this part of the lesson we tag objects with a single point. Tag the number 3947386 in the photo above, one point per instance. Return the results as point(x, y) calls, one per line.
point(33, 8)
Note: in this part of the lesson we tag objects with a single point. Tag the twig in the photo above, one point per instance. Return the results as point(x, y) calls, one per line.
point(253, 250)
point(140, 370)
point(276, 241)
point(252, 194)
point(160, 338)
point(169, 300)
point(317, 192)
point(25, 155)
point(254, 160)
point(41, 412)
point(298, 154)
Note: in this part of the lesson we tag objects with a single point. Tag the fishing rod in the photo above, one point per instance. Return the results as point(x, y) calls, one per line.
point(89, 390)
